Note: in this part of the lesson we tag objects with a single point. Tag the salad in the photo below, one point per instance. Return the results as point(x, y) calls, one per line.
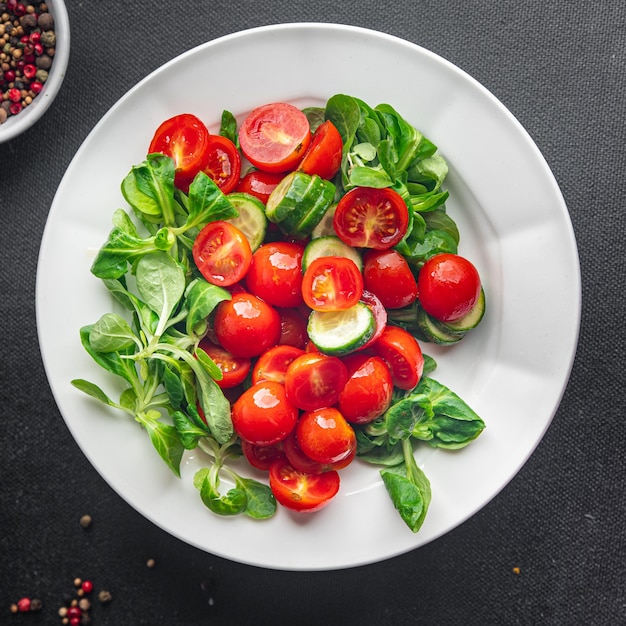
point(279, 279)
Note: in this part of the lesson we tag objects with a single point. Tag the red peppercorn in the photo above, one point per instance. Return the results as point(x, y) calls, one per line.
point(38, 48)
point(29, 71)
point(35, 37)
point(19, 10)
point(9, 76)
point(14, 95)
point(87, 586)
point(75, 621)
point(23, 605)
point(36, 86)
point(11, 4)
point(15, 108)
point(24, 39)
point(74, 611)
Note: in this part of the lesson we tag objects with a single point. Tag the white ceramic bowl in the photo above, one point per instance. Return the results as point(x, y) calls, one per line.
point(17, 124)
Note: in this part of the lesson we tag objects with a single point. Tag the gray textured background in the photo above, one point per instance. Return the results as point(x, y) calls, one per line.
point(560, 67)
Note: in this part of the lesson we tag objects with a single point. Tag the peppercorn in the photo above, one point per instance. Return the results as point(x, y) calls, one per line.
point(105, 596)
point(85, 520)
point(43, 62)
point(48, 38)
point(28, 21)
point(45, 21)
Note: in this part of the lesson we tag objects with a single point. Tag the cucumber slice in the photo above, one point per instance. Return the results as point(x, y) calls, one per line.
point(472, 318)
point(330, 246)
point(325, 226)
point(299, 202)
point(251, 220)
point(434, 331)
point(341, 332)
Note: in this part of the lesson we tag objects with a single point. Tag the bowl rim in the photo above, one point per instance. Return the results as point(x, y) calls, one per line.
point(17, 124)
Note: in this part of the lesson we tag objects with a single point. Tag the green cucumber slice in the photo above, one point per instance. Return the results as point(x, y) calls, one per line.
point(434, 331)
point(299, 202)
point(341, 332)
point(472, 318)
point(325, 226)
point(310, 210)
point(329, 246)
point(290, 194)
point(251, 220)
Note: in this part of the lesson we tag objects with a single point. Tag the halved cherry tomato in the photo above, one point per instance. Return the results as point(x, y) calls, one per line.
point(325, 436)
point(234, 368)
point(259, 184)
point(293, 330)
point(366, 217)
point(185, 139)
point(274, 137)
point(245, 325)
point(367, 394)
point(380, 316)
point(224, 163)
point(261, 457)
point(275, 273)
point(315, 380)
point(324, 154)
point(387, 274)
point(332, 283)
point(273, 363)
point(403, 355)
point(222, 253)
point(263, 415)
point(300, 491)
point(449, 286)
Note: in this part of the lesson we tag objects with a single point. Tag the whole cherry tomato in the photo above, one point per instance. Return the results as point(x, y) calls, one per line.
point(449, 286)
point(325, 436)
point(403, 355)
point(315, 380)
point(263, 415)
point(245, 325)
point(275, 273)
point(387, 274)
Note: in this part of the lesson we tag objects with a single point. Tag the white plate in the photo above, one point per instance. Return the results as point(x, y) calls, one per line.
point(514, 224)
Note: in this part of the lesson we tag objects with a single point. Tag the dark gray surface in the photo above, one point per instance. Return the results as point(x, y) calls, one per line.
point(560, 67)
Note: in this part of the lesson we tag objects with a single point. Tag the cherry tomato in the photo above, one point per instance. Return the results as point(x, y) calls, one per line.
point(449, 286)
point(387, 274)
point(293, 331)
point(403, 355)
point(274, 137)
point(325, 436)
point(300, 491)
point(234, 369)
point(263, 415)
point(367, 394)
point(273, 363)
point(246, 326)
point(275, 273)
point(224, 163)
point(222, 253)
point(332, 283)
point(298, 459)
point(380, 316)
point(324, 154)
point(259, 184)
point(315, 380)
point(366, 217)
point(261, 457)
point(185, 139)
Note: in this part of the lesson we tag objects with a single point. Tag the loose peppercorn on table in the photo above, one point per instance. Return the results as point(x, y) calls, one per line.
point(548, 548)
